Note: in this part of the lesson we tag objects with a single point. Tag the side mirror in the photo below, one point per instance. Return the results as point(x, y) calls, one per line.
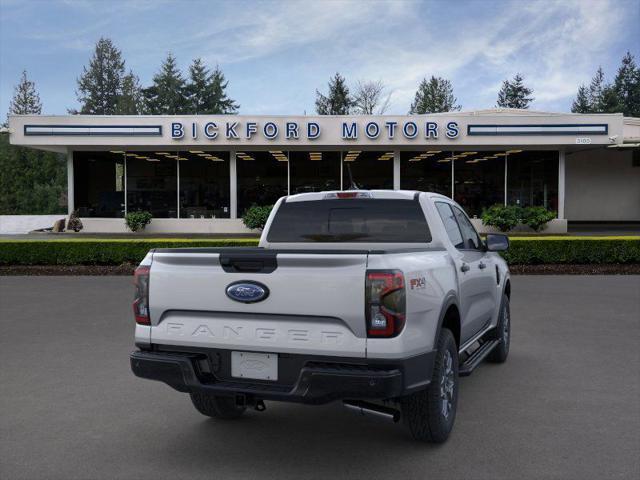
point(496, 242)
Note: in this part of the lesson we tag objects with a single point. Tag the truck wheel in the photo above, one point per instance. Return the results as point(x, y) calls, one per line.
point(429, 414)
point(216, 406)
point(503, 333)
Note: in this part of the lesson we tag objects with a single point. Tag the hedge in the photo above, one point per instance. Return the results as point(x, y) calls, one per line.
point(523, 250)
point(98, 251)
point(573, 250)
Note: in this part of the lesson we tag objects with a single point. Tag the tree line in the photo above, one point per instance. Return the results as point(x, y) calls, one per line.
point(33, 181)
point(106, 88)
point(435, 95)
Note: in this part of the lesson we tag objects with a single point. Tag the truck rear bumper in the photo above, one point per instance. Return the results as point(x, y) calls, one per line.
point(317, 382)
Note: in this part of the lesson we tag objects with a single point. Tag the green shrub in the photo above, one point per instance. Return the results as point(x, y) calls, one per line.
point(536, 217)
point(573, 250)
point(504, 218)
point(137, 220)
point(523, 250)
point(97, 251)
point(74, 223)
point(256, 216)
point(508, 217)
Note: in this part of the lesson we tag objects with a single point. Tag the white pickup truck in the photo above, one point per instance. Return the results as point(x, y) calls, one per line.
point(380, 299)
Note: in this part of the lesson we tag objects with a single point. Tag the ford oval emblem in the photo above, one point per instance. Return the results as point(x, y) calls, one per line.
point(246, 291)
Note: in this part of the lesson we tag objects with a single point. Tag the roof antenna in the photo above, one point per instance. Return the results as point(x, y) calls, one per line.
point(352, 185)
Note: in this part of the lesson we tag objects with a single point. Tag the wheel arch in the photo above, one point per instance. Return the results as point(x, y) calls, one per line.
point(507, 288)
point(450, 318)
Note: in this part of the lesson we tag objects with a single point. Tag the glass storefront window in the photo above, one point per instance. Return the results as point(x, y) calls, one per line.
point(532, 179)
point(152, 183)
point(99, 184)
point(204, 184)
point(426, 171)
point(314, 171)
point(261, 178)
point(367, 170)
point(478, 180)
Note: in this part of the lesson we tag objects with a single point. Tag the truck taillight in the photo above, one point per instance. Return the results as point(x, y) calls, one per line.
point(141, 298)
point(386, 303)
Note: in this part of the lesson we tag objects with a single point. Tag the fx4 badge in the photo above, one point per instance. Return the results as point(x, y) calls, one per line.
point(418, 283)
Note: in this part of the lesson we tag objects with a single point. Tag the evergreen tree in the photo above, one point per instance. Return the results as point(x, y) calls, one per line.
point(596, 91)
point(167, 95)
point(31, 181)
point(433, 96)
point(219, 102)
point(25, 99)
point(130, 101)
point(196, 89)
point(581, 104)
point(627, 86)
point(99, 86)
point(206, 91)
point(338, 101)
point(514, 94)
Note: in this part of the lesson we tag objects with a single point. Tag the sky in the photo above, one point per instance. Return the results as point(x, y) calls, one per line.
point(275, 54)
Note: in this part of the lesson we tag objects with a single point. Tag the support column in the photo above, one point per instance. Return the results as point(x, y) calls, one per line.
point(506, 170)
point(341, 170)
point(396, 169)
point(70, 183)
point(233, 185)
point(177, 188)
point(453, 176)
point(561, 177)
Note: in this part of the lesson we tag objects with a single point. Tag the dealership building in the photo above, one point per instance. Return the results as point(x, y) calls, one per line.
point(200, 173)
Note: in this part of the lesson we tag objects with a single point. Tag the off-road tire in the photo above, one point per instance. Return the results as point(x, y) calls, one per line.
point(422, 411)
point(503, 333)
point(217, 406)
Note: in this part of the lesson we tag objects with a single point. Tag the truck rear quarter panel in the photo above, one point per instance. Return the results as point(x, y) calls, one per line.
point(429, 279)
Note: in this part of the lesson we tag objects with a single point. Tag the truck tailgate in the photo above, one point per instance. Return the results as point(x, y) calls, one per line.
point(315, 303)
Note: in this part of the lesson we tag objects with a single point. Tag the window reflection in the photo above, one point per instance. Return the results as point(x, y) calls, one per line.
point(99, 184)
point(532, 179)
point(152, 183)
point(204, 184)
point(314, 171)
point(478, 180)
point(426, 171)
point(262, 178)
point(367, 170)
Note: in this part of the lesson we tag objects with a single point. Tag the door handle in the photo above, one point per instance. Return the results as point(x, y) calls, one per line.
point(465, 267)
point(482, 266)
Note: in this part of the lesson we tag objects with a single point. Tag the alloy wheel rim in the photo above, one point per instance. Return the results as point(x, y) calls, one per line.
point(506, 327)
point(447, 385)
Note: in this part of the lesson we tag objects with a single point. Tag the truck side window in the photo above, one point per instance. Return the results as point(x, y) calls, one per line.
point(471, 238)
point(450, 224)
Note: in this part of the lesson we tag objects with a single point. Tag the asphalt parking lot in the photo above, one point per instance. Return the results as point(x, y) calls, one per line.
point(565, 405)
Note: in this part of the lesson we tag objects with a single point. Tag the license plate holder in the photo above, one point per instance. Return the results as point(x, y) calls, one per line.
point(255, 366)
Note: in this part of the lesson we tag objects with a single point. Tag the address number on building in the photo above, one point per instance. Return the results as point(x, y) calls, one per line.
point(583, 141)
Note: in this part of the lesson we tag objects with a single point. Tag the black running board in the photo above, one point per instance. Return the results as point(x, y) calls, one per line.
point(477, 357)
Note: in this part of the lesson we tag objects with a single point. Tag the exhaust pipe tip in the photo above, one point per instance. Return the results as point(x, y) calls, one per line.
point(372, 410)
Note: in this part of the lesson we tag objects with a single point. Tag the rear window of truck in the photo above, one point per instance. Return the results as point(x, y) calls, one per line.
point(350, 221)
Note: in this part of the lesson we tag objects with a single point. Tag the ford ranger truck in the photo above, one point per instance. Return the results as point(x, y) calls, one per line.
point(379, 299)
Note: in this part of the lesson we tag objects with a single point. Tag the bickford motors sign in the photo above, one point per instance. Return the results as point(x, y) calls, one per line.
point(295, 130)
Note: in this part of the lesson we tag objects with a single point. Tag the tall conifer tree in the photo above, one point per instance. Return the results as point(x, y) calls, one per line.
point(100, 85)
point(167, 94)
point(338, 101)
point(433, 96)
point(514, 93)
